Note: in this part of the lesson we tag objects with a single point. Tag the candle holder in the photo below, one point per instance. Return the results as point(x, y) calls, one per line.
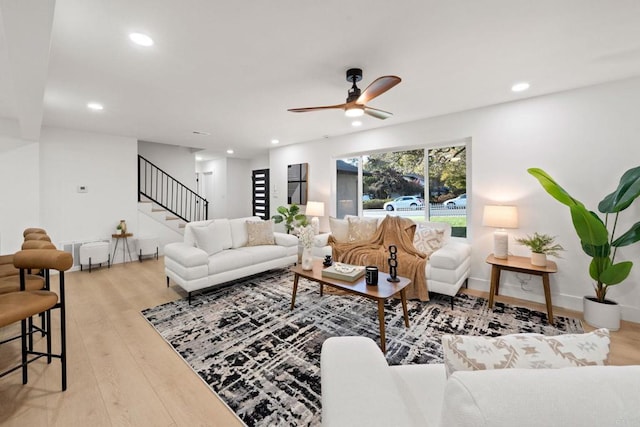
point(393, 264)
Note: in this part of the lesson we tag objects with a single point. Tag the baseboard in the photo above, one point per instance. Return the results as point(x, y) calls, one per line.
point(570, 302)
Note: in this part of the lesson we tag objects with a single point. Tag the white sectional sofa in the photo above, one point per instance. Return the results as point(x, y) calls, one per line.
point(447, 268)
point(359, 388)
point(220, 250)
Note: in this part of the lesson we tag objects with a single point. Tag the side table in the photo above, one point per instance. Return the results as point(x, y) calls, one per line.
point(521, 264)
point(118, 237)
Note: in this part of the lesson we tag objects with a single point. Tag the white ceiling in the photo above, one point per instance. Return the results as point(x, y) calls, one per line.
point(232, 68)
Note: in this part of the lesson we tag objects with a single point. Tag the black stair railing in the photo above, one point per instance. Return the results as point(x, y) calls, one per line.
point(166, 191)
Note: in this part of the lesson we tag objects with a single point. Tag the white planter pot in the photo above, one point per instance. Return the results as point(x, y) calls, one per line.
point(539, 260)
point(601, 315)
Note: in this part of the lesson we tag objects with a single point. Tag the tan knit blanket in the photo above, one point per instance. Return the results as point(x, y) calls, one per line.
point(392, 231)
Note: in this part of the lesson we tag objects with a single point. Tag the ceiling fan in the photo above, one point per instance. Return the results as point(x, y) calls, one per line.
point(356, 99)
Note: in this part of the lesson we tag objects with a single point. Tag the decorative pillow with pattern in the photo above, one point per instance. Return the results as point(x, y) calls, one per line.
point(525, 351)
point(339, 229)
point(260, 233)
point(427, 239)
point(361, 229)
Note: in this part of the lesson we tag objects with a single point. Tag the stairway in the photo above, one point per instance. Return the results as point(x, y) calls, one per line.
point(161, 215)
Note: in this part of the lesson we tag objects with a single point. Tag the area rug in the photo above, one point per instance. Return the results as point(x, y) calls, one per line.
point(263, 359)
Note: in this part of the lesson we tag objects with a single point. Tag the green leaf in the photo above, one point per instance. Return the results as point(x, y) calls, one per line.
point(277, 219)
point(553, 188)
point(294, 209)
point(628, 190)
point(616, 273)
point(596, 251)
point(590, 228)
point(283, 210)
point(631, 236)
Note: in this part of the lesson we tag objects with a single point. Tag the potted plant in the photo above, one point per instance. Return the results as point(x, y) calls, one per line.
point(541, 246)
point(600, 244)
point(291, 217)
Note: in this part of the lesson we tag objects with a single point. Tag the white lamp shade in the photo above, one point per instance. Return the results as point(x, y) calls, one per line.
point(315, 209)
point(500, 216)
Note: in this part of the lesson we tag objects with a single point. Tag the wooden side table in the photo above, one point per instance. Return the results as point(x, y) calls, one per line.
point(521, 264)
point(124, 236)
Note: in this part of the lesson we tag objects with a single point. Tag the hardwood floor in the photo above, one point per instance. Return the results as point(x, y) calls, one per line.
point(122, 373)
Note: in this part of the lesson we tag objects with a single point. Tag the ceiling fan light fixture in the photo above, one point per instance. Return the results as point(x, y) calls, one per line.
point(354, 112)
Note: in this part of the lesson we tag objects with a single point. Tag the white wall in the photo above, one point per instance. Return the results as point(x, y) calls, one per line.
point(106, 165)
point(227, 183)
point(584, 138)
point(179, 162)
point(19, 192)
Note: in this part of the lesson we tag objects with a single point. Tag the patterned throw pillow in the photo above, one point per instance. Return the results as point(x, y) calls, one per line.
point(260, 233)
point(361, 228)
point(339, 229)
point(427, 239)
point(525, 351)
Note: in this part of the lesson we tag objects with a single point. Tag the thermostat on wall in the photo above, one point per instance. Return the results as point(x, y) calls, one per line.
point(82, 189)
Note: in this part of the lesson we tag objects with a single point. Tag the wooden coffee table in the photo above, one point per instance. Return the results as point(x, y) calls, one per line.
point(379, 293)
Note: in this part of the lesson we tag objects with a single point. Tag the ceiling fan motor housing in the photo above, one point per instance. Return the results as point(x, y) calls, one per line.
point(354, 75)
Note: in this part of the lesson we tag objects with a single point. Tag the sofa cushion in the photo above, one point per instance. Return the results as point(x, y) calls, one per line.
point(206, 239)
point(427, 239)
point(223, 232)
point(361, 228)
point(472, 353)
point(339, 229)
point(239, 234)
point(260, 233)
point(585, 396)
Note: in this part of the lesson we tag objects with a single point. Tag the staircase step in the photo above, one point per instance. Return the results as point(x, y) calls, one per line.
point(158, 210)
point(171, 218)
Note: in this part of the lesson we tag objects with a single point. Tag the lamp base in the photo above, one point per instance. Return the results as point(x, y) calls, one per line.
point(315, 224)
point(500, 244)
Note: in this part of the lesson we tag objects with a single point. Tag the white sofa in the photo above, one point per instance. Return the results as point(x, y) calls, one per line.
point(359, 388)
point(216, 251)
point(447, 268)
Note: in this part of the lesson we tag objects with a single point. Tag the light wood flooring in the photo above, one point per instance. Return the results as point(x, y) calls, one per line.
point(122, 373)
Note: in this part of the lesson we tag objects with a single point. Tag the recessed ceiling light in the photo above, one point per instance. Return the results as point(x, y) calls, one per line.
point(95, 106)
point(141, 39)
point(519, 87)
point(356, 123)
point(275, 141)
point(198, 158)
point(229, 151)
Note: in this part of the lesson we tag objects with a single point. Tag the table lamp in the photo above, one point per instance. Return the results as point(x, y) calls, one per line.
point(500, 217)
point(314, 210)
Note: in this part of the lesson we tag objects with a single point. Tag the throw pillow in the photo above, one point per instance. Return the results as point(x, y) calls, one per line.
point(471, 353)
point(427, 239)
point(260, 233)
point(205, 239)
point(361, 229)
point(339, 229)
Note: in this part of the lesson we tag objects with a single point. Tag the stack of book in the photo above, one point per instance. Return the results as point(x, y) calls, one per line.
point(346, 272)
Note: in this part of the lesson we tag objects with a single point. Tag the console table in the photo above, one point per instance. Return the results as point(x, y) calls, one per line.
point(521, 264)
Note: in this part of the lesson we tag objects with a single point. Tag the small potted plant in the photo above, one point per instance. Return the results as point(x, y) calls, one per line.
point(541, 245)
point(291, 217)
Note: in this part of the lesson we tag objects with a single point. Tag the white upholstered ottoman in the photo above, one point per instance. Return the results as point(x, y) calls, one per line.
point(147, 246)
point(93, 253)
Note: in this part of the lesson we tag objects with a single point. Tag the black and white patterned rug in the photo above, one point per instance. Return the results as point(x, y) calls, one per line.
point(263, 359)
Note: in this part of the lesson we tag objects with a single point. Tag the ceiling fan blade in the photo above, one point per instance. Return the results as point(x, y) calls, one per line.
point(326, 107)
point(378, 87)
point(378, 114)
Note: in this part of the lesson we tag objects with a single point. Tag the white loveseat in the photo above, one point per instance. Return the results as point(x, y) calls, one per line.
point(218, 251)
point(447, 268)
point(359, 388)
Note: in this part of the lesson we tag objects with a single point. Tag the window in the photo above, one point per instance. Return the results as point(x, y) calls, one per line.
point(393, 183)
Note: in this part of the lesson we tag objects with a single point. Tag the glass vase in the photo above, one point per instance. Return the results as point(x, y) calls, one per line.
point(307, 259)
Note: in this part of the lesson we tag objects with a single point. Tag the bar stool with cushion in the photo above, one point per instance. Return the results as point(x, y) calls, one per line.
point(22, 305)
point(37, 236)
